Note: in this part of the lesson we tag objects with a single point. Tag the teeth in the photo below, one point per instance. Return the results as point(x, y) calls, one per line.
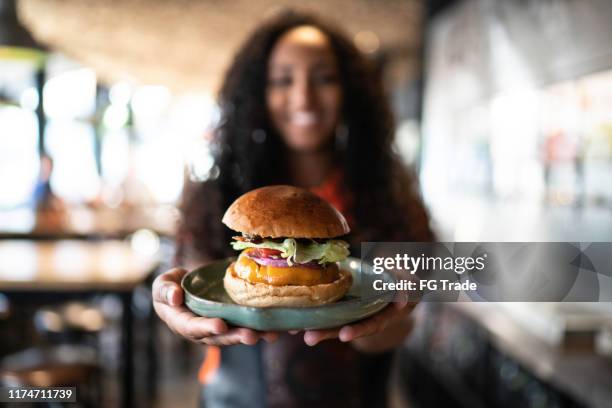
point(304, 118)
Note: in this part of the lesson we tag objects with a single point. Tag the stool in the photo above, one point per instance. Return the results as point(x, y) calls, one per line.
point(58, 366)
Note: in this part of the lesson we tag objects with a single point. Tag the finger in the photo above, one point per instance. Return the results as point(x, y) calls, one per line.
point(293, 332)
point(198, 327)
point(166, 287)
point(399, 305)
point(232, 337)
point(313, 337)
point(189, 325)
point(171, 294)
point(400, 299)
point(348, 333)
point(246, 336)
point(227, 339)
point(369, 326)
point(175, 296)
point(404, 304)
point(237, 335)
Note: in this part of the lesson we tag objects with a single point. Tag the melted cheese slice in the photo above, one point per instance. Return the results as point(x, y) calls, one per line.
point(249, 270)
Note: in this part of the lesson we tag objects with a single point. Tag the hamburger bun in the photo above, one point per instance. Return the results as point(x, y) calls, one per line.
point(285, 211)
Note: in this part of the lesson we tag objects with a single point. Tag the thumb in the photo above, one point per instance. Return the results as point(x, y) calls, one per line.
point(167, 288)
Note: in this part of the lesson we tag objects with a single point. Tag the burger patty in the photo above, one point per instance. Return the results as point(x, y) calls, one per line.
point(249, 270)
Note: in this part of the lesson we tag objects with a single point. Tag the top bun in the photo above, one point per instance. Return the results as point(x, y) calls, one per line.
point(285, 211)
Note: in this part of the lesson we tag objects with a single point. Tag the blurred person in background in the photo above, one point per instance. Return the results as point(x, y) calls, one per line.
point(49, 208)
point(301, 106)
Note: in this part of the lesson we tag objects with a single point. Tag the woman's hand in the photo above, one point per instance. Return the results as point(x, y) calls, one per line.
point(168, 303)
point(383, 331)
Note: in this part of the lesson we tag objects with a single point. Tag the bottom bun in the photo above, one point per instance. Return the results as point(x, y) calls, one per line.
point(263, 295)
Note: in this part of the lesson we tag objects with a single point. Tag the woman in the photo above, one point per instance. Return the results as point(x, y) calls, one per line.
point(300, 105)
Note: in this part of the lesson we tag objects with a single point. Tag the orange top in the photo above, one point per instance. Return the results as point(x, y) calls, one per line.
point(211, 363)
point(333, 191)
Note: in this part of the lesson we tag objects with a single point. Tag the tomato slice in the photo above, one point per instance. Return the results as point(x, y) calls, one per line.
point(266, 252)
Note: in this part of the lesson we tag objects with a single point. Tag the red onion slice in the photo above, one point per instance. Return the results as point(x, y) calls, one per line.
point(282, 262)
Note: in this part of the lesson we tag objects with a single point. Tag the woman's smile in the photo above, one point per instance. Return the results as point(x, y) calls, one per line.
point(304, 119)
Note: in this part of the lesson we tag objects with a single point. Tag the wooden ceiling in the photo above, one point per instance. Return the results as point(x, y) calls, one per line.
point(187, 44)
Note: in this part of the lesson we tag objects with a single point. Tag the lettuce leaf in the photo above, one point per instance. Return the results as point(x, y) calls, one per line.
point(328, 251)
point(333, 250)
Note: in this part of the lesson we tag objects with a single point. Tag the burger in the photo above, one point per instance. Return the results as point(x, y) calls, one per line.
point(289, 251)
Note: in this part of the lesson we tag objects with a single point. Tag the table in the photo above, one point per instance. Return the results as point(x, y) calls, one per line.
point(85, 222)
point(77, 268)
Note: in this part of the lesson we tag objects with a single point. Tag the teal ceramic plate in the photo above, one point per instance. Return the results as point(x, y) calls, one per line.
point(206, 296)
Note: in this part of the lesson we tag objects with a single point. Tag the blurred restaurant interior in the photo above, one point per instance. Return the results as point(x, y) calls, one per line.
point(503, 109)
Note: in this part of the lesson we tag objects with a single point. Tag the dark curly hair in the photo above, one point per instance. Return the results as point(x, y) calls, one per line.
point(387, 205)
